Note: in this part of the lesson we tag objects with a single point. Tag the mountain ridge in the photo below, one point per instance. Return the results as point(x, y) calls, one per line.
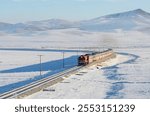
point(125, 20)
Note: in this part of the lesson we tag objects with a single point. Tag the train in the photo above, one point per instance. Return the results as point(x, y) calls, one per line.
point(96, 56)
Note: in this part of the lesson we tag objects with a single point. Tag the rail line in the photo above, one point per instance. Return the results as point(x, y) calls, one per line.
point(38, 85)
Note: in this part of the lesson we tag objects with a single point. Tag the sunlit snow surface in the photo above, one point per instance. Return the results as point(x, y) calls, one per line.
point(127, 76)
point(127, 79)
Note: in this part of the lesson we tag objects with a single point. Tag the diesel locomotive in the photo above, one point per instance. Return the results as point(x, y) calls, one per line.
point(96, 56)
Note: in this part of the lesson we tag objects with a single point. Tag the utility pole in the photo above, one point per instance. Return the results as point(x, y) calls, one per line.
point(63, 60)
point(77, 52)
point(40, 64)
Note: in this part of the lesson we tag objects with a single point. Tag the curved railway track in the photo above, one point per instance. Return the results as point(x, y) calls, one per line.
point(38, 85)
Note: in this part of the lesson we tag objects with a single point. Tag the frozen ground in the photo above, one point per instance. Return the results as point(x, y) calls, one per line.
point(133, 76)
point(88, 83)
point(126, 78)
point(75, 39)
point(19, 67)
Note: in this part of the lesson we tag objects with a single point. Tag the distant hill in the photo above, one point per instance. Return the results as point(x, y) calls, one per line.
point(135, 19)
point(131, 20)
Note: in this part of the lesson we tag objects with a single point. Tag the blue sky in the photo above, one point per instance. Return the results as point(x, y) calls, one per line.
point(28, 10)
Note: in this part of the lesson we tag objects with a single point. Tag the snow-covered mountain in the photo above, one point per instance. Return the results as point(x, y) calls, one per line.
point(36, 25)
point(135, 19)
point(50, 24)
point(131, 20)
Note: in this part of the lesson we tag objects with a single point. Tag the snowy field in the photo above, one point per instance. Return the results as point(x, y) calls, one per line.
point(21, 67)
point(127, 76)
point(88, 83)
point(75, 39)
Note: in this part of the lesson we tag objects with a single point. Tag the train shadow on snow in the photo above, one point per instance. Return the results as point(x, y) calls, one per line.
point(52, 67)
point(46, 66)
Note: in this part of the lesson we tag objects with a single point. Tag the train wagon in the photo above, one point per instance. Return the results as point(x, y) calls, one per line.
point(96, 56)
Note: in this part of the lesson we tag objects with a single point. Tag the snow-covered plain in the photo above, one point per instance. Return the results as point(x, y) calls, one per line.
point(88, 83)
point(127, 76)
point(21, 66)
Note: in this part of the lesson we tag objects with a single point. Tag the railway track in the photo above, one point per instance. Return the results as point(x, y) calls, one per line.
point(38, 85)
point(46, 82)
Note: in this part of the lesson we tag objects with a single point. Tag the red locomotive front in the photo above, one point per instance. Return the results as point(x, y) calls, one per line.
point(83, 60)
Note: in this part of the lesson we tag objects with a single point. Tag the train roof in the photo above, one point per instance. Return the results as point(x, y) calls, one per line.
point(94, 53)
